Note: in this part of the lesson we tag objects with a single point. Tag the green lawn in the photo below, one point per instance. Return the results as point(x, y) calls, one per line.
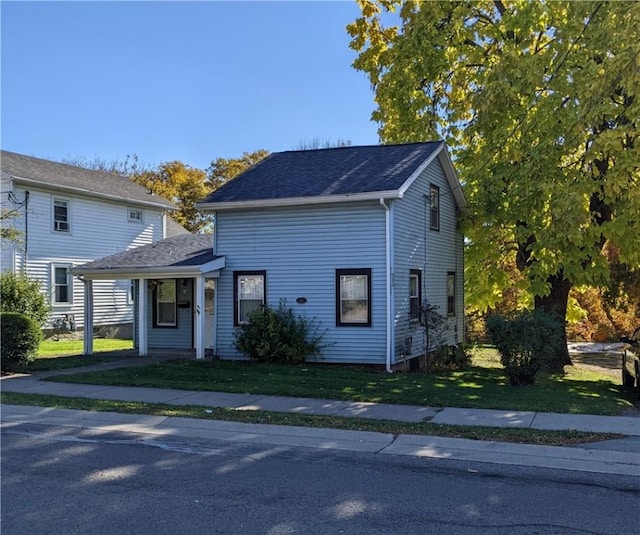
point(580, 390)
point(63, 354)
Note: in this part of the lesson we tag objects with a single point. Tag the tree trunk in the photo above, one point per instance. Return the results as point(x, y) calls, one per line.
point(556, 303)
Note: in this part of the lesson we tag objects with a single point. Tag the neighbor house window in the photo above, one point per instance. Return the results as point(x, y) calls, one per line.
point(415, 294)
point(62, 285)
point(165, 310)
point(135, 215)
point(249, 290)
point(61, 215)
point(353, 297)
point(434, 208)
point(451, 293)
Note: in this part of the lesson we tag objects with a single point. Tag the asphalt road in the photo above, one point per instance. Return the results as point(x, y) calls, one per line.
point(59, 480)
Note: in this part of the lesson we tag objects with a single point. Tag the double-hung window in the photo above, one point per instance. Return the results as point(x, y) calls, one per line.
point(61, 215)
point(250, 294)
point(415, 294)
point(434, 207)
point(353, 297)
point(165, 310)
point(62, 284)
point(451, 293)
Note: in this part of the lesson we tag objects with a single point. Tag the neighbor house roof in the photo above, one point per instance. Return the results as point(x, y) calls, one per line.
point(28, 170)
point(179, 256)
point(332, 175)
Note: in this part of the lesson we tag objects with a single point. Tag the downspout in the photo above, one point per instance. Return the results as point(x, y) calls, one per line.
point(387, 247)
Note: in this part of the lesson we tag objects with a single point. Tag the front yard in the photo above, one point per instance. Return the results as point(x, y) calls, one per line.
point(582, 389)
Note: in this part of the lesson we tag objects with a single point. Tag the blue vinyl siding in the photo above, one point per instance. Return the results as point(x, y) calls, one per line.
point(436, 253)
point(300, 248)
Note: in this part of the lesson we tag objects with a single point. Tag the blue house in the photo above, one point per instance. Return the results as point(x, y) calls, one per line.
point(356, 237)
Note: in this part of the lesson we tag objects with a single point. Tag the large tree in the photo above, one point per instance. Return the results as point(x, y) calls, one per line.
point(183, 185)
point(222, 170)
point(540, 104)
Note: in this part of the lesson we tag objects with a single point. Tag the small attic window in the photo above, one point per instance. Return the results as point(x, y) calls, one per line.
point(135, 215)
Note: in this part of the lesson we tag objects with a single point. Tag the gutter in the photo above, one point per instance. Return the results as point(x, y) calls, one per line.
point(387, 248)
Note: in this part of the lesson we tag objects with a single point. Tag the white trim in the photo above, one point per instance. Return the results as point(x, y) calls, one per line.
point(211, 269)
point(86, 192)
point(387, 255)
point(299, 201)
point(199, 316)
point(142, 318)
point(88, 317)
point(67, 266)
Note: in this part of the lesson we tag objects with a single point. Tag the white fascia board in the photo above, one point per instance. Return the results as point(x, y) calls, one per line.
point(90, 193)
point(299, 201)
point(181, 272)
point(450, 173)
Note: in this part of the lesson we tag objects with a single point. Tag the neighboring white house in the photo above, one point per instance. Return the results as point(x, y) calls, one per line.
point(356, 237)
point(68, 216)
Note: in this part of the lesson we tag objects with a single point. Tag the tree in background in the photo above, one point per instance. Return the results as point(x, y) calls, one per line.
point(539, 103)
point(182, 185)
point(222, 170)
point(322, 143)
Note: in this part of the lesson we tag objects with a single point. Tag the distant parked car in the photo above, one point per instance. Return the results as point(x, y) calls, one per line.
point(631, 360)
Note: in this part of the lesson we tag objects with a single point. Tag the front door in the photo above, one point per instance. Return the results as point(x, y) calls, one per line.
point(209, 313)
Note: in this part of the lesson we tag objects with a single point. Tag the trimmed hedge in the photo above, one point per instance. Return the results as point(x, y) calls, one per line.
point(20, 338)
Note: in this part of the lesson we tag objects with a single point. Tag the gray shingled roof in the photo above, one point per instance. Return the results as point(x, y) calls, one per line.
point(71, 178)
point(182, 251)
point(326, 172)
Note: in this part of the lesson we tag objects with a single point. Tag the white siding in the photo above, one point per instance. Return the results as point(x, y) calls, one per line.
point(98, 228)
point(300, 248)
point(442, 253)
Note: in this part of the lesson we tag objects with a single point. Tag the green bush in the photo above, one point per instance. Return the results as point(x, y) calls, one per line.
point(19, 293)
point(526, 342)
point(20, 338)
point(277, 335)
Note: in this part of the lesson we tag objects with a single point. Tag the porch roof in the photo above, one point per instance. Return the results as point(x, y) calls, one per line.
point(185, 255)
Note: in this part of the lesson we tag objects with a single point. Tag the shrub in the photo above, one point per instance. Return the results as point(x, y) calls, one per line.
point(449, 357)
point(20, 338)
point(277, 335)
point(19, 293)
point(526, 342)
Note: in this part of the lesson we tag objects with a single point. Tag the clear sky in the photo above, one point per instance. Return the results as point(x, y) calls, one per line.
point(189, 81)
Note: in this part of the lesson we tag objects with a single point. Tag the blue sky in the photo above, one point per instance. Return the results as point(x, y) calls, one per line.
point(189, 81)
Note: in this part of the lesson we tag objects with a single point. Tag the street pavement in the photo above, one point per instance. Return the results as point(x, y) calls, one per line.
point(621, 456)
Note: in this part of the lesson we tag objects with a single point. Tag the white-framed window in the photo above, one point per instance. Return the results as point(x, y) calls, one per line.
point(353, 297)
point(134, 215)
point(434, 207)
point(250, 294)
point(165, 309)
point(61, 215)
point(415, 294)
point(451, 293)
point(62, 285)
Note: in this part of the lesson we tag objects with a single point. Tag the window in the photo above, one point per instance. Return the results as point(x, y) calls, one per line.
point(415, 294)
point(451, 293)
point(165, 311)
point(249, 290)
point(135, 215)
point(434, 207)
point(60, 215)
point(62, 285)
point(353, 297)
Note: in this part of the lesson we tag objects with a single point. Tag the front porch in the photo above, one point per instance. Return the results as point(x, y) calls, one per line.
point(174, 288)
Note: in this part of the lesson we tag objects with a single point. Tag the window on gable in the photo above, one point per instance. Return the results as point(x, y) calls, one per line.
point(135, 215)
point(62, 285)
point(353, 297)
point(61, 215)
point(451, 293)
point(165, 310)
point(415, 294)
point(434, 207)
point(250, 294)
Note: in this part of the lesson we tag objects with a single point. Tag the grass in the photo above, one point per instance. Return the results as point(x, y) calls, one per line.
point(64, 354)
point(523, 436)
point(579, 390)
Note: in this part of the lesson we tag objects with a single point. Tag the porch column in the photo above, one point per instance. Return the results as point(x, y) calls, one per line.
point(199, 317)
point(142, 317)
point(88, 317)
